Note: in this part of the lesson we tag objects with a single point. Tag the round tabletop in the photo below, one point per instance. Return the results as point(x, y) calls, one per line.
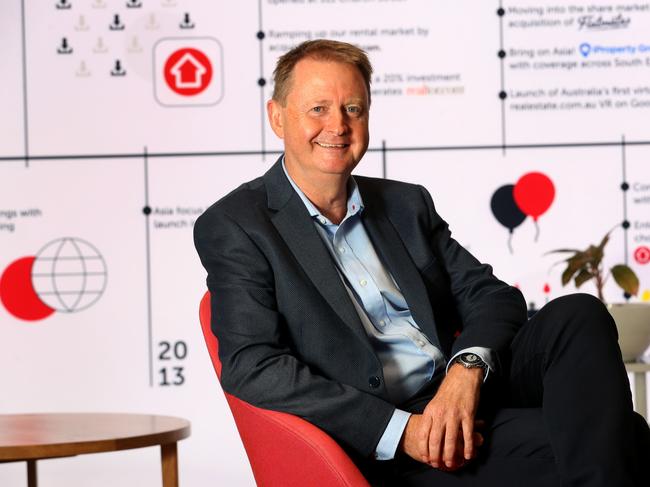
point(33, 436)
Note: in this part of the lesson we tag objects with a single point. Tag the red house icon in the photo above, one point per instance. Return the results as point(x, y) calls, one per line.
point(188, 71)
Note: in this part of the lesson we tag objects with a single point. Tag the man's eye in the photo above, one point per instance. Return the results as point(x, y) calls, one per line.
point(354, 109)
point(318, 109)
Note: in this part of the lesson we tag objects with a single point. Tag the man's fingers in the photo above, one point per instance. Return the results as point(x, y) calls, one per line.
point(468, 438)
point(424, 429)
point(478, 438)
point(436, 445)
point(451, 443)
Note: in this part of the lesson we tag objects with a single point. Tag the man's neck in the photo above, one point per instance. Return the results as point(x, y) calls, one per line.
point(327, 192)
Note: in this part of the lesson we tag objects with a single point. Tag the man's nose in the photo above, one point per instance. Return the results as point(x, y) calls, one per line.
point(337, 122)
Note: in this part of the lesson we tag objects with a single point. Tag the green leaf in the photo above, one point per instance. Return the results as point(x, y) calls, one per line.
point(582, 277)
point(577, 262)
point(593, 255)
point(626, 279)
point(604, 241)
point(562, 251)
point(568, 273)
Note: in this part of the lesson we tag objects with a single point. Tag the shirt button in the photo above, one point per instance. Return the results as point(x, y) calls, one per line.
point(420, 343)
point(363, 282)
point(342, 250)
point(374, 381)
point(382, 322)
point(322, 220)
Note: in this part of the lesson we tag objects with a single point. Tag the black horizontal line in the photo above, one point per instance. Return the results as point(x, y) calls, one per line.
point(558, 145)
point(136, 155)
point(500, 147)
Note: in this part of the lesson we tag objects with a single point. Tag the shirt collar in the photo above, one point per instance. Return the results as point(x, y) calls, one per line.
point(355, 203)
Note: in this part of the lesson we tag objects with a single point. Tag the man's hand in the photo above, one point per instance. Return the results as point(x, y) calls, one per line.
point(443, 435)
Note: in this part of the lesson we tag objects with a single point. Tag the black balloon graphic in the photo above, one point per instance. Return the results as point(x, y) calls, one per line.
point(506, 211)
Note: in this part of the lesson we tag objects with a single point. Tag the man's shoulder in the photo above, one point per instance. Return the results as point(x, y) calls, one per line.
point(244, 199)
point(389, 190)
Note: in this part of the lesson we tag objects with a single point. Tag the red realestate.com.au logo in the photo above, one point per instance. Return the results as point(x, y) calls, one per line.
point(188, 71)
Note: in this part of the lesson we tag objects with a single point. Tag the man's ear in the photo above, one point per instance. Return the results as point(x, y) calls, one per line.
point(274, 111)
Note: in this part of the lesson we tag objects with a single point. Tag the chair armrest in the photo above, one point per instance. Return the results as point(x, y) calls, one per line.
point(282, 447)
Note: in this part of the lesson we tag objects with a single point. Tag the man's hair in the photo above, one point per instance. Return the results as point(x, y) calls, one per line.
point(320, 50)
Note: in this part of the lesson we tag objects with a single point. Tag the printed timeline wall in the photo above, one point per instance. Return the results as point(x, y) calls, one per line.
point(122, 120)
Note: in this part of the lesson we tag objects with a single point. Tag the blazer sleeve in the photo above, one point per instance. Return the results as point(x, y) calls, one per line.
point(491, 311)
point(259, 364)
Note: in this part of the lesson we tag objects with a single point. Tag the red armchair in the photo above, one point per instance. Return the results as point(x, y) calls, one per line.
point(283, 450)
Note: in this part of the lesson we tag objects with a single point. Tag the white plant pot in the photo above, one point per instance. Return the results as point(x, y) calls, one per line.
point(633, 323)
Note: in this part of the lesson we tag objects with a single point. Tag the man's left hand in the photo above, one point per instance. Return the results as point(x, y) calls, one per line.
point(446, 436)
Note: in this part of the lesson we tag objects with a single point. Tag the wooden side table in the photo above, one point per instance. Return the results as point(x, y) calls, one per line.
point(31, 437)
point(639, 370)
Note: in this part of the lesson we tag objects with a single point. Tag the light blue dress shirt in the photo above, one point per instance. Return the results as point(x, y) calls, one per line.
point(409, 359)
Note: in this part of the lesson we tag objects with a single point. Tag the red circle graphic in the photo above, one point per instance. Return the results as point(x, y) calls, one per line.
point(188, 71)
point(17, 292)
point(642, 255)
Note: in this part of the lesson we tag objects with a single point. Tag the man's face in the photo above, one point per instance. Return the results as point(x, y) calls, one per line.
point(324, 123)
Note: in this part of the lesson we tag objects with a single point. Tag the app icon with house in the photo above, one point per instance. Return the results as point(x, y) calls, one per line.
point(188, 71)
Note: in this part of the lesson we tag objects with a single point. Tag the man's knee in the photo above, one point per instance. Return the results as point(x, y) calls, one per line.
point(579, 302)
point(574, 318)
point(581, 310)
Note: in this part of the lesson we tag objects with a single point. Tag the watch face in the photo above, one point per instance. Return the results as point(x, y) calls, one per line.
point(471, 358)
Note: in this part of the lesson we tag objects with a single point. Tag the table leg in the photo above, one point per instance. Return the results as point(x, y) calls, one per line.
point(32, 480)
point(169, 457)
point(640, 393)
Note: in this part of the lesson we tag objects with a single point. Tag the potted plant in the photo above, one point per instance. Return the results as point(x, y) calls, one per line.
point(632, 319)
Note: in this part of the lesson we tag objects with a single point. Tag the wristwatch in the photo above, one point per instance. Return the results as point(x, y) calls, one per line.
point(471, 361)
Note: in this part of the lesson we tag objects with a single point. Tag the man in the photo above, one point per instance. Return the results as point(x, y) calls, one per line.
point(344, 300)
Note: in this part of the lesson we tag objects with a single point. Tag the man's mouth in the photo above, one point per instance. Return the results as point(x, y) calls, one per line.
point(332, 146)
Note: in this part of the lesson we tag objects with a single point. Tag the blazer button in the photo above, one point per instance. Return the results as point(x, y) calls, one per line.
point(374, 381)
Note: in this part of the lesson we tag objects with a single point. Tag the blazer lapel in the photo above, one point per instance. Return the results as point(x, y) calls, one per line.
point(296, 227)
point(391, 249)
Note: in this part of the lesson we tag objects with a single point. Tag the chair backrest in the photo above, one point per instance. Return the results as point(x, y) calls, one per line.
point(283, 450)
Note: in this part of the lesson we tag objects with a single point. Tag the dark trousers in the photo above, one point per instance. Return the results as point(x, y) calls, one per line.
point(559, 413)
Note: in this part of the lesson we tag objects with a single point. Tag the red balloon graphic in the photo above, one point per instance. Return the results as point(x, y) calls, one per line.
point(534, 194)
point(17, 292)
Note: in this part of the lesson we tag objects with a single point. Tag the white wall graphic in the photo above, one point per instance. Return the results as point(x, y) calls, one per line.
point(122, 120)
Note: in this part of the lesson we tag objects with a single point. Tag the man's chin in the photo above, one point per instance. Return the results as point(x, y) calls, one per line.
point(342, 167)
point(336, 161)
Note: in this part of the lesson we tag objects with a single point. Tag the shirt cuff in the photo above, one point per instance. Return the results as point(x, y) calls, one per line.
point(389, 441)
point(486, 354)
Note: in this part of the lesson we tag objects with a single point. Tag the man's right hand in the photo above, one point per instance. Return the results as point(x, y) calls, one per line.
point(411, 443)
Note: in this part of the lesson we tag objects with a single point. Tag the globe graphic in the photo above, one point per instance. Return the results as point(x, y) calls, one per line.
point(69, 274)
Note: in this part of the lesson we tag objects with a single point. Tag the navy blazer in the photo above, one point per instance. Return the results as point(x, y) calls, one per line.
point(290, 338)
